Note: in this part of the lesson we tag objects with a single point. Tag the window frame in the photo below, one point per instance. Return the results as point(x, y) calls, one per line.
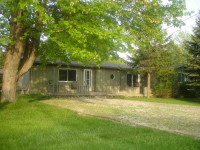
point(182, 77)
point(132, 80)
point(67, 74)
point(111, 77)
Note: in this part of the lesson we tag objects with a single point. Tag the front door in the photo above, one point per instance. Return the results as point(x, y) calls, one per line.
point(87, 78)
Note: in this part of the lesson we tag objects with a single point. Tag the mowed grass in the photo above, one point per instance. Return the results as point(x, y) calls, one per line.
point(179, 101)
point(29, 124)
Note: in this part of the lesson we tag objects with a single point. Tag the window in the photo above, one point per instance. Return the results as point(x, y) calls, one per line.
point(112, 76)
point(180, 77)
point(135, 80)
point(71, 75)
point(67, 75)
point(132, 80)
point(129, 79)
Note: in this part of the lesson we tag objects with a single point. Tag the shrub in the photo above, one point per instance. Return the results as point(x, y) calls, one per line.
point(185, 91)
point(163, 89)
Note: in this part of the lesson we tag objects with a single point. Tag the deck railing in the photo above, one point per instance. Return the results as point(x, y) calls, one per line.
point(61, 89)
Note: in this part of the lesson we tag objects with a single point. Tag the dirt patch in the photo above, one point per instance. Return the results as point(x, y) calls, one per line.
point(181, 119)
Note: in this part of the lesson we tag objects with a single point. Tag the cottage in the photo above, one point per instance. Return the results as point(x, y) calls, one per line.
point(77, 79)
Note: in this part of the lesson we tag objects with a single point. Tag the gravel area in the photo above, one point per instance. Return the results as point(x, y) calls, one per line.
point(181, 119)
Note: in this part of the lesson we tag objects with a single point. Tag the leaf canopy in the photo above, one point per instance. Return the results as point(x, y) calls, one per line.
point(87, 30)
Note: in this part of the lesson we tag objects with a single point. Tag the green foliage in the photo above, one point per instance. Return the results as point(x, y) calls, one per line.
point(193, 67)
point(116, 60)
point(2, 59)
point(80, 30)
point(181, 38)
point(29, 124)
point(165, 72)
point(183, 90)
point(163, 89)
point(85, 32)
point(160, 60)
point(1, 78)
point(88, 30)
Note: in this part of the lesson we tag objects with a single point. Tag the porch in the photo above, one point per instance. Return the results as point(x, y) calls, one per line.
point(84, 90)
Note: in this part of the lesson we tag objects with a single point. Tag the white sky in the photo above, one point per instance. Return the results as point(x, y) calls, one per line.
point(191, 5)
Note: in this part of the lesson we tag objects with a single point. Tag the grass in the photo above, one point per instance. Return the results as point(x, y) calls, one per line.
point(29, 124)
point(182, 119)
point(180, 101)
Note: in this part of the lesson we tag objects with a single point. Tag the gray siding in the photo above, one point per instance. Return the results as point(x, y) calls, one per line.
point(41, 77)
point(123, 83)
point(23, 84)
point(101, 82)
point(104, 83)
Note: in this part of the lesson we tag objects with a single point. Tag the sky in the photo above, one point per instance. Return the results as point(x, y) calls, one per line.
point(191, 5)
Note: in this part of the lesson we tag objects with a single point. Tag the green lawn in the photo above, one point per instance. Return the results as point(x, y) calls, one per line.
point(180, 101)
point(29, 124)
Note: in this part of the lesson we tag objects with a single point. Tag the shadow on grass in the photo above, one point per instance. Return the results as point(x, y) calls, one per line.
point(192, 100)
point(2, 105)
point(34, 97)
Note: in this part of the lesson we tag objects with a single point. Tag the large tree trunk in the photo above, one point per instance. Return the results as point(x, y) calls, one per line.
point(10, 72)
point(15, 67)
point(13, 56)
point(20, 56)
point(148, 85)
point(9, 82)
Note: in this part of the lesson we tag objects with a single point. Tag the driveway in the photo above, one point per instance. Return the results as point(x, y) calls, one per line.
point(181, 119)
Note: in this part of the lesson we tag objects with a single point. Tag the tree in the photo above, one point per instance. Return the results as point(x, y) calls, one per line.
point(181, 38)
point(55, 29)
point(158, 60)
point(193, 67)
point(75, 30)
point(2, 59)
point(171, 56)
point(154, 14)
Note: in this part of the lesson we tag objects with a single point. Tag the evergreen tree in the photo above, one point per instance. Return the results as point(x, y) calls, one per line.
point(158, 60)
point(193, 67)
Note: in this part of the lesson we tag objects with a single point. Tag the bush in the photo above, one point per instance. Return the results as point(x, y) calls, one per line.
point(163, 89)
point(185, 91)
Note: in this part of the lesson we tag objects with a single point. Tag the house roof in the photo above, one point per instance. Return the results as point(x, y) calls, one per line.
point(77, 64)
point(93, 64)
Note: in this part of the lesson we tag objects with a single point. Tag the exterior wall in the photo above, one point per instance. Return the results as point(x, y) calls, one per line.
point(131, 91)
point(23, 84)
point(45, 81)
point(123, 81)
point(104, 83)
point(40, 78)
point(125, 89)
point(24, 81)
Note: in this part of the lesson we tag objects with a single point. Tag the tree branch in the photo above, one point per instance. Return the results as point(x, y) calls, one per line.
point(31, 47)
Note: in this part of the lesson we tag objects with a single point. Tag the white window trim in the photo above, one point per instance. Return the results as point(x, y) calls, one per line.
point(67, 76)
point(90, 88)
